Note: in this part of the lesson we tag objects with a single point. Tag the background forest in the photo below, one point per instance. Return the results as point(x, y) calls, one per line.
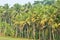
point(40, 20)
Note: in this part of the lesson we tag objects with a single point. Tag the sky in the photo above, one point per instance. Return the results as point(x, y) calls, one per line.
point(12, 2)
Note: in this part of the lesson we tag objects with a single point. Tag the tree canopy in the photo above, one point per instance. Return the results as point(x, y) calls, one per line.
point(40, 20)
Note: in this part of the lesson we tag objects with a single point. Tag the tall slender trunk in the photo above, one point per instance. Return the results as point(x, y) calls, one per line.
point(16, 32)
point(39, 34)
point(50, 33)
point(43, 36)
point(34, 31)
point(4, 27)
point(22, 34)
point(27, 33)
point(53, 34)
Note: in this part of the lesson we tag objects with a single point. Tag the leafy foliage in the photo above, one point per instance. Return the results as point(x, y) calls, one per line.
point(40, 20)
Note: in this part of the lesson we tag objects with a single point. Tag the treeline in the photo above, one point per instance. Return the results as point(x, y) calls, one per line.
point(40, 20)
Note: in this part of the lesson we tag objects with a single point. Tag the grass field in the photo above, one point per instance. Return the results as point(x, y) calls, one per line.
point(9, 38)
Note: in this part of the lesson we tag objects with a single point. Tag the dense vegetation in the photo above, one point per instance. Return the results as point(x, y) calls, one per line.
point(40, 20)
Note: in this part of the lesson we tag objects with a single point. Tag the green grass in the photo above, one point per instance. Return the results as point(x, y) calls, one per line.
point(9, 38)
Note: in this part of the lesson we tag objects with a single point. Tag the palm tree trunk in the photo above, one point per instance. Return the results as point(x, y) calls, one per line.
point(16, 32)
point(34, 31)
point(43, 38)
point(50, 33)
point(27, 33)
point(39, 34)
point(53, 34)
